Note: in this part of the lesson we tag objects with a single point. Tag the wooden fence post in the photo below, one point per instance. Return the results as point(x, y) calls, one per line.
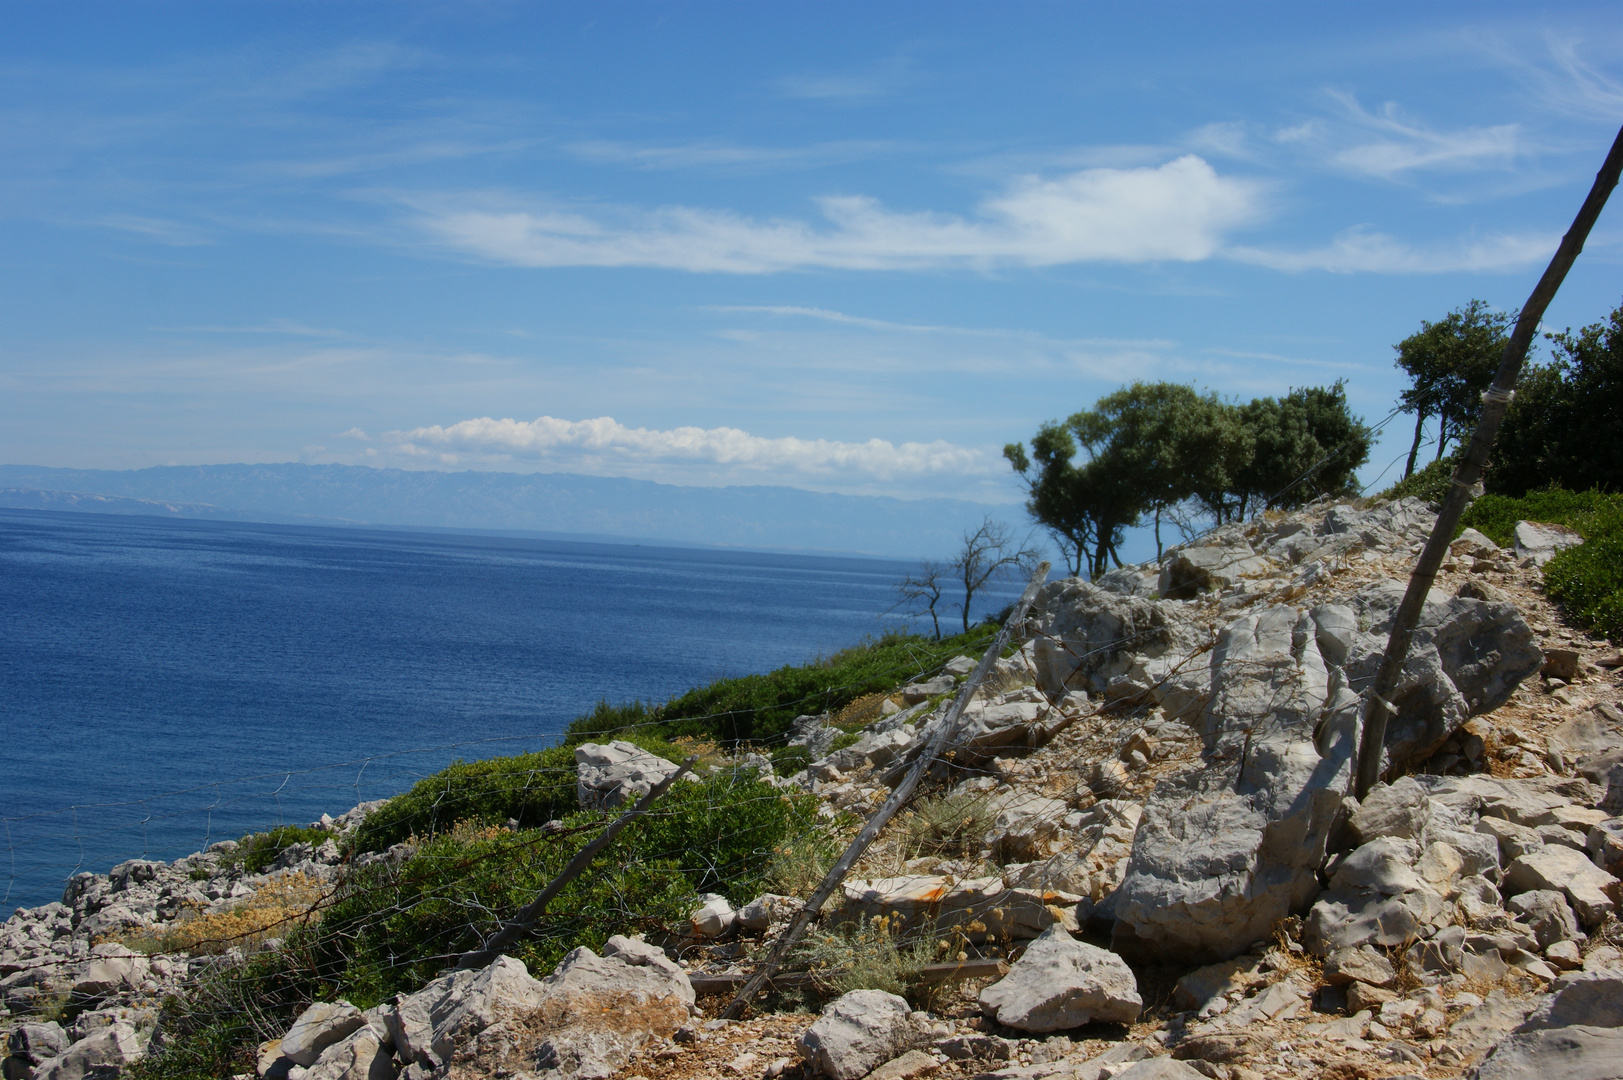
point(897, 800)
point(526, 918)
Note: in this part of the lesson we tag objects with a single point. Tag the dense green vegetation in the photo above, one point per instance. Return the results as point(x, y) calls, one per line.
point(256, 851)
point(1565, 425)
point(1449, 364)
point(752, 709)
point(760, 708)
point(1166, 451)
point(392, 928)
point(1587, 579)
point(1564, 428)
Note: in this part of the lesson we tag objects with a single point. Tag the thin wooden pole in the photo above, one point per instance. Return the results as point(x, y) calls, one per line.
point(898, 799)
point(526, 918)
point(1494, 403)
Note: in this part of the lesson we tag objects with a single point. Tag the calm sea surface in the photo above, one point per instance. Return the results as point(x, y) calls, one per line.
point(165, 683)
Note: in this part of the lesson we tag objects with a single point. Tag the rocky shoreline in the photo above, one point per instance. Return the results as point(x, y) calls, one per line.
point(1167, 871)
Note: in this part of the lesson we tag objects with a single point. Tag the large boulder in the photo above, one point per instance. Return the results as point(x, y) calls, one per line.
point(1217, 562)
point(35, 1043)
point(1556, 867)
point(318, 1027)
point(427, 1026)
point(1467, 657)
point(104, 1053)
point(1568, 1053)
point(1088, 638)
point(597, 1012)
point(363, 1054)
point(858, 1032)
point(1060, 983)
point(1592, 998)
point(1224, 853)
point(609, 774)
point(1539, 543)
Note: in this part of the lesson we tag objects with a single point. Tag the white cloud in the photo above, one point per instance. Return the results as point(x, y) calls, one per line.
point(1406, 144)
point(1361, 250)
point(606, 442)
point(1179, 211)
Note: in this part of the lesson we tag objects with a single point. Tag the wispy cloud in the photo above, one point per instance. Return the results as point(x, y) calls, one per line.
point(1362, 250)
point(604, 441)
point(1181, 210)
point(1403, 143)
point(161, 230)
point(710, 154)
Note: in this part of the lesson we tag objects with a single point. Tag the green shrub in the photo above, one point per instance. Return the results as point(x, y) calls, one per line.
point(256, 851)
point(760, 708)
point(1430, 483)
point(531, 788)
point(788, 760)
point(1588, 579)
point(393, 928)
point(1495, 516)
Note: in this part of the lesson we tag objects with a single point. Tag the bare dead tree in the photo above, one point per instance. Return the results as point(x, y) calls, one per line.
point(921, 592)
point(989, 553)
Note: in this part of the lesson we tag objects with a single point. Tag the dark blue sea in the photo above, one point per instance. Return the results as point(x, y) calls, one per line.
point(167, 683)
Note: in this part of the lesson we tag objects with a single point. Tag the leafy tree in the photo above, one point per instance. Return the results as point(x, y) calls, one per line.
point(1565, 425)
point(1304, 445)
point(1450, 363)
point(1085, 507)
point(1056, 494)
point(1160, 448)
point(1169, 443)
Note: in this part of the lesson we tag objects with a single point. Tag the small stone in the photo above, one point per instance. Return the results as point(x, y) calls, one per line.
point(1359, 964)
point(1564, 955)
point(914, 1063)
point(1361, 996)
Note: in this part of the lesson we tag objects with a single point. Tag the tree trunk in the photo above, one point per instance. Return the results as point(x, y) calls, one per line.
point(1419, 418)
point(1157, 534)
point(1442, 436)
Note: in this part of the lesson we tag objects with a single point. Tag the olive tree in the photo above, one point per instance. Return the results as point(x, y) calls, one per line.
point(1449, 364)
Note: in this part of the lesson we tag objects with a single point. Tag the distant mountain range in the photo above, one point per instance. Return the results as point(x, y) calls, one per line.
point(757, 517)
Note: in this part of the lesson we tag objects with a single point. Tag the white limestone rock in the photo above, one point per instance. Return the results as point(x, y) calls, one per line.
point(858, 1032)
point(318, 1027)
point(1060, 983)
point(616, 773)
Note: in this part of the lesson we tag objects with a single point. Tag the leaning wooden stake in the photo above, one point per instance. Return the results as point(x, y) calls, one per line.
point(898, 799)
point(1494, 403)
point(518, 924)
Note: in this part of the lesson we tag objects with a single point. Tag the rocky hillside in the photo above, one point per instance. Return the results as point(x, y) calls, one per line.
point(1140, 860)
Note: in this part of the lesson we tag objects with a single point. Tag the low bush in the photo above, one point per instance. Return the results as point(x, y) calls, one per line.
point(530, 789)
point(1588, 579)
point(866, 955)
point(760, 708)
point(1495, 516)
point(948, 824)
point(257, 851)
point(394, 927)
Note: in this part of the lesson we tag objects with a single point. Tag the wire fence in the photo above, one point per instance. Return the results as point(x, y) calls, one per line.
point(387, 917)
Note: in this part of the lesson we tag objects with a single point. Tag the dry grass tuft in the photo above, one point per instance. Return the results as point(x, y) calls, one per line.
point(282, 904)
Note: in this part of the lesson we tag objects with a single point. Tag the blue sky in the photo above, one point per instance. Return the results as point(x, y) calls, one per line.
point(849, 247)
